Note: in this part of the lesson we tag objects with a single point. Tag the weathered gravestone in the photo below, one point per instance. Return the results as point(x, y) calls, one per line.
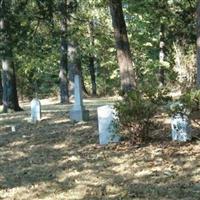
point(181, 128)
point(107, 131)
point(78, 112)
point(35, 110)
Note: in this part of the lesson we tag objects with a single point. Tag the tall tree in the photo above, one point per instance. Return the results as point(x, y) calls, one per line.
point(10, 99)
point(198, 44)
point(127, 74)
point(64, 93)
point(91, 65)
point(161, 56)
point(68, 61)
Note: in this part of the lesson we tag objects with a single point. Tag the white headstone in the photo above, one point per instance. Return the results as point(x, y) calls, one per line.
point(181, 129)
point(78, 112)
point(13, 129)
point(35, 110)
point(107, 131)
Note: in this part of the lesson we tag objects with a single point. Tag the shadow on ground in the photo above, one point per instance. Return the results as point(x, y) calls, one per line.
point(58, 159)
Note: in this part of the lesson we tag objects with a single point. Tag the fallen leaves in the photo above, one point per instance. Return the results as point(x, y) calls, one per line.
point(56, 159)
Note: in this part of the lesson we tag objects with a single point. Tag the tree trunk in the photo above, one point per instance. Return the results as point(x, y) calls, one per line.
point(198, 44)
point(10, 99)
point(74, 66)
point(1, 91)
point(92, 75)
point(127, 73)
point(92, 59)
point(64, 94)
point(161, 56)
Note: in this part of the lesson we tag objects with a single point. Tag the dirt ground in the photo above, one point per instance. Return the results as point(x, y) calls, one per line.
point(57, 159)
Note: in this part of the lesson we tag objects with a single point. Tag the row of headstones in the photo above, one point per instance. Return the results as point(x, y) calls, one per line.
point(106, 116)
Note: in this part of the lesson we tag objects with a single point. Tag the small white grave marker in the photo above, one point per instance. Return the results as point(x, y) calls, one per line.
point(13, 129)
point(106, 115)
point(35, 110)
point(181, 130)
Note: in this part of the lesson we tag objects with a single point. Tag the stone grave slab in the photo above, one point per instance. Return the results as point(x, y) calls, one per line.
point(107, 132)
point(181, 128)
point(35, 110)
point(78, 112)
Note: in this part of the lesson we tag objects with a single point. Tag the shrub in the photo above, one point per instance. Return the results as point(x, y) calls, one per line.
point(177, 107)
point(191, 99)
point(135, 111)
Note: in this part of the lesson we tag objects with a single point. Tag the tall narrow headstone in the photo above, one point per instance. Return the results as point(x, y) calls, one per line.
point(35, 110)
point(107, 131)
point(78, 112)
point(181, 128)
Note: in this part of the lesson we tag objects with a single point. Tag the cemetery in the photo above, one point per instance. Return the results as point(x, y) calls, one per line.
point(100, 100)
point(59, 158)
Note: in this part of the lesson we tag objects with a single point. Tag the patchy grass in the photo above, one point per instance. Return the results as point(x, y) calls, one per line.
point(59, 160)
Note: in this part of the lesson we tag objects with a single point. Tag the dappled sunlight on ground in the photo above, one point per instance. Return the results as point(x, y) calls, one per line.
point(57, 159)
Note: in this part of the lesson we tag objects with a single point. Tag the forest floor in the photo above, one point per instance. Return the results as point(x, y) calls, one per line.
point(57, 159)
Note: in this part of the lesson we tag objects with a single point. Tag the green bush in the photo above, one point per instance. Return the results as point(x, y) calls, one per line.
point(185, 104)
point(177, 107)
point(191, 99)
point(135, 111)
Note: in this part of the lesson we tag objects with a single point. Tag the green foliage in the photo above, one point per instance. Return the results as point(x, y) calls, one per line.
point(177, 107)
point(191, 99)
point(136, 110)
point(185, 104)
point(32, 24)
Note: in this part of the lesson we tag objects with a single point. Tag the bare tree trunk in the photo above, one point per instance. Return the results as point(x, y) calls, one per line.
point(1, 91)
point(198, 44)
point(127, 74)
point(161, 56)
point(74, 66)
point(10, 99)
point(92, 75)
point(80, 73)
point(64, 94)
point(92, 60)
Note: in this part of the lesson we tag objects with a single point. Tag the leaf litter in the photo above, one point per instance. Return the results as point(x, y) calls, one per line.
point(57, 159)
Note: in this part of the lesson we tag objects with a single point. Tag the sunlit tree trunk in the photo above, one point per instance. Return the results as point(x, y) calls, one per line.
point(127, 73)
point(198, 44)
point(162, 56)
point(10, 99)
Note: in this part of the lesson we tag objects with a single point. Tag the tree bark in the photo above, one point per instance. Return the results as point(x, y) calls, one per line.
point(91, 65)
point(198, 44)
point(64, 94)
point(161, 56)
point(92, 75)
point(74, 66)
point(1, 91)
point(127, 74)
point(10, 99)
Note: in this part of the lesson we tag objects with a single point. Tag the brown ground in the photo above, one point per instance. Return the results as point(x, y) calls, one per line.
point(59, 160)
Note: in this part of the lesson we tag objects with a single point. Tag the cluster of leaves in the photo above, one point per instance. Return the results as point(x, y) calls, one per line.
point(177, 108)
point(135, 112)
point(191, 99)
point(32, 21)
point(185, 104)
